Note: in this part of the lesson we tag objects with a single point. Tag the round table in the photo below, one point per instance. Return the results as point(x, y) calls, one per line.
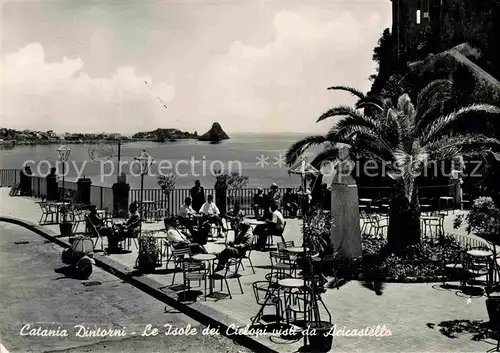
point(210, 259)
point(253, 222)
point(296, 250)
point(480, 253)
point(288, 284)
point(291, 283)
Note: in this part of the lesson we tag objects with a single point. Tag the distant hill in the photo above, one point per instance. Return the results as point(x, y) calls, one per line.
point(162, 135)
point(215, 134)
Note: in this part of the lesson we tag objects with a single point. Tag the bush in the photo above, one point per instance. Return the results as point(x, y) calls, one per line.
point(483, 218)
point(421, 262)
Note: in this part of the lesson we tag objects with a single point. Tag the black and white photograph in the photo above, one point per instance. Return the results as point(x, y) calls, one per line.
point(240, 176)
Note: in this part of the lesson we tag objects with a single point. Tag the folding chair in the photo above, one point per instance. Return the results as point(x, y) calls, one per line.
point(94, 233)
point(48, 210)
point(227, 273)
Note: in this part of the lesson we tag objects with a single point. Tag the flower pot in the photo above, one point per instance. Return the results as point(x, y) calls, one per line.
point(146, 263)
point(148, 254)
point(493, 308)
point(66, 228)
point(320, 341)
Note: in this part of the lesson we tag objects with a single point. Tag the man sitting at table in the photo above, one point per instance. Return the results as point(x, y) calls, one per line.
point(242, 243)
point(274, 225)
point(210, 211)
point(124, 230)
point(235, 216)
point(187, 215)
point(179, 239)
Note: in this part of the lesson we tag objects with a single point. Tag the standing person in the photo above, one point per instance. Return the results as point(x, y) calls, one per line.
point(211, 212)
point(258, 202)
point(275, 225)
point(305, 200)
point(197, 195)
point(290, 203)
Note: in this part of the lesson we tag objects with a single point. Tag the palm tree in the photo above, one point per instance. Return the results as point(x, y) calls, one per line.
point(406, 138)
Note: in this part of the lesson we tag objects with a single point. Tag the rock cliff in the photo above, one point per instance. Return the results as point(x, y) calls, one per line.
point(215, 134)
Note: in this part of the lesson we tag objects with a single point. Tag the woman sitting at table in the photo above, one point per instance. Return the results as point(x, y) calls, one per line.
point(179, 239)
point(124, 230)
point(235, 216)
point(242, 243)
point(274, 225)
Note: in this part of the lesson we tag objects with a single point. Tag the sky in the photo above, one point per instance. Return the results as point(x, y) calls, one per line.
point(252, 66)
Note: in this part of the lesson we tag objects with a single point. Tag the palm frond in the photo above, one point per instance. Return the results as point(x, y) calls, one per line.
point(447, 122)
point(448, 147)
point(299, 147)
point(342, 110)
point(432, 90)
point(328, 154)
point(355, 92)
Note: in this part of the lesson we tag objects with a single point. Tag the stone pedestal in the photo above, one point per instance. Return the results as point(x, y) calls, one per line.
point(221, 200)
point(25, 182)
point(52, 186)
point(120, 199)
point(346, 232)
point(83, 190)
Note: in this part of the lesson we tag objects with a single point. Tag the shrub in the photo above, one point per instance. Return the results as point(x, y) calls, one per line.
point(483, 218)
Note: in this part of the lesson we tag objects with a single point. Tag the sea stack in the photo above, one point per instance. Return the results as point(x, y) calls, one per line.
point(215, 134)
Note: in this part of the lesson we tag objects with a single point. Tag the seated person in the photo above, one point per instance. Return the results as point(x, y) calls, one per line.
point(258, 202)
point(274, 225)
point(242, 243)
point(94, 218)
point(187, 215)
point(211, 212)
point(290, 203)
point(179, 239)
point(235, 216)
point(124, 230)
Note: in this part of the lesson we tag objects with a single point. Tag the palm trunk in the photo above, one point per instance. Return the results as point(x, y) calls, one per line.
point(404, 221)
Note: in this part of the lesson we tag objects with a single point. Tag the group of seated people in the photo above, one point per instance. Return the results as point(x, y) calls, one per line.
point(292, 201)
point(117, 232)
point(197, 227)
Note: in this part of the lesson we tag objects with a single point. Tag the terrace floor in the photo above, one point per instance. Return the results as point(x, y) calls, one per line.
point(421, 317)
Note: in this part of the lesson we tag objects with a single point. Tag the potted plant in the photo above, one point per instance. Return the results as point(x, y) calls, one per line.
point(66, 225)
point(316, 230)
point(167, 184)
point(484, 220)
point(148, 253)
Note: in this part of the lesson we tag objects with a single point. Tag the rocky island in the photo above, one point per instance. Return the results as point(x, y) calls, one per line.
point(215, 134)
point(165, 135)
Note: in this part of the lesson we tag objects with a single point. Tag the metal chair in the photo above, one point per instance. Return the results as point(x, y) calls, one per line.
point(179, 256)
point(94, 233)
point(270, 236)
point(287, 244)
point(48, 210)
point(282, 264)
point(227, 273)
point(264, 292)
point(193, 271)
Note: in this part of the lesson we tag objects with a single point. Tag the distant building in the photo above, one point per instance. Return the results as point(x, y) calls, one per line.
point(410, 18)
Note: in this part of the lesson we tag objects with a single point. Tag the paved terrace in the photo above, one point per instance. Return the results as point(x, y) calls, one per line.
point(411, 311)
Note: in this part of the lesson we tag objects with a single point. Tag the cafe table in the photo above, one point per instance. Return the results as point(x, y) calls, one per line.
point(287, 285)
point(210, 259)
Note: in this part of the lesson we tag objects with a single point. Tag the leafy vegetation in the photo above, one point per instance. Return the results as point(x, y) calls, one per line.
point(405, 139)
point(483, 219)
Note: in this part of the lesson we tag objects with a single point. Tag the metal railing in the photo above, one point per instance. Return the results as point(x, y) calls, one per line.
point(9, 177)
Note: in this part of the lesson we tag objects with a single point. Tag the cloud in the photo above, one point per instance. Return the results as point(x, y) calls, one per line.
point(282, 84)
point(42, 94)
